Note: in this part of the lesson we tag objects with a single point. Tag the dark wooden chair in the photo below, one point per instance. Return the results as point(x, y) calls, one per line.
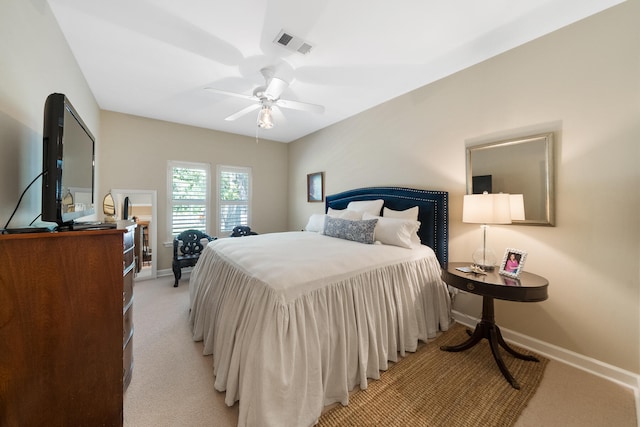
point(187, 247)
point(242, 230)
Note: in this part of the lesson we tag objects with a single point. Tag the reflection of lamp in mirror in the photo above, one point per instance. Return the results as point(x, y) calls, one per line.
point(516, 204)
point(490, 209)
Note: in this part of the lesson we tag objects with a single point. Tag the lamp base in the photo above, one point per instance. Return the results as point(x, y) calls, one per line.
point(485, 259)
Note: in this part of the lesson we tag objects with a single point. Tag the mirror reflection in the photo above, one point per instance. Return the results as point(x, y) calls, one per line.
point(141, 207)
point(517, 166)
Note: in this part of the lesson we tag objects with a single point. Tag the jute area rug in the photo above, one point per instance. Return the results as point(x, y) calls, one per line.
point(437, 388)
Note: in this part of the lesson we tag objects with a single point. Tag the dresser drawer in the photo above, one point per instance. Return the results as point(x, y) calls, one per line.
point(127, 327)
point(128, 240)
point(127, 262)
point(127, 364)
point(127, 290)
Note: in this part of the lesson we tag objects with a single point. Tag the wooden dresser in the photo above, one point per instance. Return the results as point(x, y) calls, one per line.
point(61, 324)
point(129, 269)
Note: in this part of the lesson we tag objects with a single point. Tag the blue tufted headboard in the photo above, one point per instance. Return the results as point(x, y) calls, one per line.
point(433, 211)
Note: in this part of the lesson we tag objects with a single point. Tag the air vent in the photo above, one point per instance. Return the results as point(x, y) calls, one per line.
point(284, 38)
point(292, 43)
point(304, 48)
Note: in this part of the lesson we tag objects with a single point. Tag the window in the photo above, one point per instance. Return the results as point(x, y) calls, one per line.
point(234, 198)
point(188, 196)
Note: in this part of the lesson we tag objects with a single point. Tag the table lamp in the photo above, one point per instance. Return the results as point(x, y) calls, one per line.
point(490, 209)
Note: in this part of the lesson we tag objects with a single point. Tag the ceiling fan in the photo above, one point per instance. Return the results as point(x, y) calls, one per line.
point(265, 98)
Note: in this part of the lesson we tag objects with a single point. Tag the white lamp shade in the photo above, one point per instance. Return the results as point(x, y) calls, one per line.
point(486, 209)
point(517, 207)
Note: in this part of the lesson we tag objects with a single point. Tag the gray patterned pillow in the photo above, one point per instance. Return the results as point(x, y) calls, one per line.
point(358, 231)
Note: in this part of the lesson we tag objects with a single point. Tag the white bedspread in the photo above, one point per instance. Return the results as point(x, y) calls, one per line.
point(296, 320)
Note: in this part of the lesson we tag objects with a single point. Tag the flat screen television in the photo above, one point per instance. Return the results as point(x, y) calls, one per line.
point(68, 163)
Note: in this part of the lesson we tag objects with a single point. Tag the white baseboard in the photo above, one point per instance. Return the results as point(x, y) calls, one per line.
point(550, 351)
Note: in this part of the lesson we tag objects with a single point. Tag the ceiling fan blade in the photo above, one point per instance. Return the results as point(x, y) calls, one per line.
point(303, 106)
point(275, 88)
point(242, 112)
point(234, 94)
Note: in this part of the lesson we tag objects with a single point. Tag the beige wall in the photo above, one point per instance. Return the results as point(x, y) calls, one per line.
point(580, 82)
point(135, 152)
point(35, 61)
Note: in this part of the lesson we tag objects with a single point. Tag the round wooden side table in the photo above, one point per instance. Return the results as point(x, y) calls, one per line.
point(527, 287)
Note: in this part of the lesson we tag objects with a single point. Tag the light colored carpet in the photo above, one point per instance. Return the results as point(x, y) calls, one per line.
point(172, 382)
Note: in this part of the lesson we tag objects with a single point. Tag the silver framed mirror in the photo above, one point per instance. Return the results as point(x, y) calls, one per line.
point(516, 166)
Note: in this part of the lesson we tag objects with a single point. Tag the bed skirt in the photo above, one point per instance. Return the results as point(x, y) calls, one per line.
point(285, 360)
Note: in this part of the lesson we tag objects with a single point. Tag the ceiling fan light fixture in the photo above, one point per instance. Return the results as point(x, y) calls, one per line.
point(265, 119)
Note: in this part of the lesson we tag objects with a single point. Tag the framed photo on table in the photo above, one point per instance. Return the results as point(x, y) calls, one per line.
point(513, 262)
point(315, 187)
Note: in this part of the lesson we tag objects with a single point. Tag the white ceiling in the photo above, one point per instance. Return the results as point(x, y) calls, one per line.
point(154, 58)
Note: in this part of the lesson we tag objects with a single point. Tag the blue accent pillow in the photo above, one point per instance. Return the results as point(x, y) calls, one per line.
point(357, 231)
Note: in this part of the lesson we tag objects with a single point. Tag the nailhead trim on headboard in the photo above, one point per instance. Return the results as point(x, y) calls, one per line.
point(432, 205)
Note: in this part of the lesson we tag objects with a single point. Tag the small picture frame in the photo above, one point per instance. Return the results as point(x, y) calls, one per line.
point(315, 187)
point(513, 262)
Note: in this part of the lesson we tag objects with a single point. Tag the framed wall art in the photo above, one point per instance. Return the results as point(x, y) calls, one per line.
point(513, 262)
point(315, 187)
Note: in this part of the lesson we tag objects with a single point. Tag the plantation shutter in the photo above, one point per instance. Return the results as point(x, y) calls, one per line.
point(234, 197)
point(189, 191)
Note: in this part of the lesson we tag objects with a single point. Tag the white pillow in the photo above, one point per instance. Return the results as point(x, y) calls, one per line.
point(372, 207)
point(396, 231)
point(411, 213)
point(316, 223)
point(345, 214)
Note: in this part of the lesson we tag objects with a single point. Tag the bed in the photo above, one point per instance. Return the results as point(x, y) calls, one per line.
point(296, 320)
